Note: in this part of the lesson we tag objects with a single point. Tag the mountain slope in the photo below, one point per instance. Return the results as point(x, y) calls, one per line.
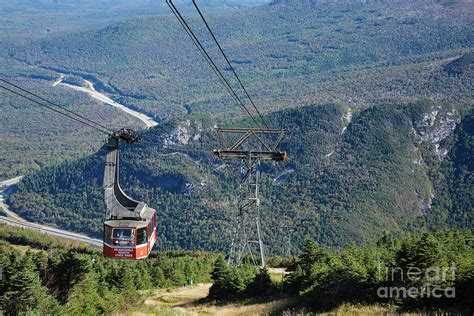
point(357, 53)
point(350, 177)
point(32, 19)
point(289, 54)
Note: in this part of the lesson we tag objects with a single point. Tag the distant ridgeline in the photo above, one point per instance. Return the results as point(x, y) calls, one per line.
point(350, 176)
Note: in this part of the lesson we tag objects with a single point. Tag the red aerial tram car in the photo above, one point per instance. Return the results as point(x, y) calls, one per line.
point(130, 226)
point(129, 239)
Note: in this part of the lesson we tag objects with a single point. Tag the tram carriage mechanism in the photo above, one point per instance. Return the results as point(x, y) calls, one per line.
point(130, 226)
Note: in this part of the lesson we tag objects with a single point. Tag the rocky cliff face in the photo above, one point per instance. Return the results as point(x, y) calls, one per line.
point(435, 125)
point(182, 134)
point(430, 132)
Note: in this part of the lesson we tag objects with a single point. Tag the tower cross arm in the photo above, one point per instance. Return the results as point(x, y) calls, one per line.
point(235, 150)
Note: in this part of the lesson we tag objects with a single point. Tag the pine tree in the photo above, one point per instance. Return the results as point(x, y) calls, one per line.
point(293, 282)
point(261, 284)
point(66, 270)
point(24, 292)
point(221, 278)
point(126, 282)
point(84, 299)
point(311, 253)
point(9, 266)
point(157, 276)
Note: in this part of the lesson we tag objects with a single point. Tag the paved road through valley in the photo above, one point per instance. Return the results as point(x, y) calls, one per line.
point(13, 219)
point(89, 89)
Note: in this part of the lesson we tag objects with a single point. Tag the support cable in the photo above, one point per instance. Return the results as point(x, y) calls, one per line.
point(229, 64)
point(57, 111)
point(54, 104)
point(208, 59)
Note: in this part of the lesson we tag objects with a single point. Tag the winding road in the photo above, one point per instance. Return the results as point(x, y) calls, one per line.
point(89, 89)
point(13, 219)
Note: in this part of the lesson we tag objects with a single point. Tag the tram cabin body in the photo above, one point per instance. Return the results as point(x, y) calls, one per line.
point(130, 225)
point(130, 239)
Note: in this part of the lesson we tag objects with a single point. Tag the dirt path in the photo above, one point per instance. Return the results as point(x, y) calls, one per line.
point(188, 301)
point(179, 296)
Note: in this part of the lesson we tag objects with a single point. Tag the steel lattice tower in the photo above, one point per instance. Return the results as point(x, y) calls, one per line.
point(287, 232)
point(246, 224)
point(247, 238)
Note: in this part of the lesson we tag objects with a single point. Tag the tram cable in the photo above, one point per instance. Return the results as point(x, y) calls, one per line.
point(82, 120)
point(89, 123)
point(208, 58)
point(229, 64)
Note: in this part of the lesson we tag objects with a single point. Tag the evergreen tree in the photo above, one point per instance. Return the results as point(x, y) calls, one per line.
point(261, 284)
point(126, 282)
point(293, 282)
point(220, 277)
point(239, 279)
point(24, 292)
point(65, 270)
point(84, 299)
point(157, 276)
point(312, 252)
point(9, 264)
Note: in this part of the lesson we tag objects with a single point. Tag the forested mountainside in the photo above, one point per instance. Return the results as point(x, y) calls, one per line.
point(32, 137)
point(28, 20)
point(292, 53)
point(289, 54)
point(351, 175)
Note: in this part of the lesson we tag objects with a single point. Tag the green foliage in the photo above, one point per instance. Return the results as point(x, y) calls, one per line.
point(85, 299)
point(363, 52)
point(230, 283)
point(354, 53)
point(22, 290)
point(23, 237)
point(68, 281)
point(220, 279)
point(461, 65)
point(364, 274)
point(261, 285)
point(456, 192)
point(281, 262)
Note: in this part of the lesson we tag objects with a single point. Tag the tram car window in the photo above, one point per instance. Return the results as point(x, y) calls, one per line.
point(142, 236)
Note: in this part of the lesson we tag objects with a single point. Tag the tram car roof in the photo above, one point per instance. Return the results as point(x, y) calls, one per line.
point(149, 212)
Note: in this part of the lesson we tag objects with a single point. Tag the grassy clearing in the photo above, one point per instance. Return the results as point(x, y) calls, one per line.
point(349, 309)
point(191, 301)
